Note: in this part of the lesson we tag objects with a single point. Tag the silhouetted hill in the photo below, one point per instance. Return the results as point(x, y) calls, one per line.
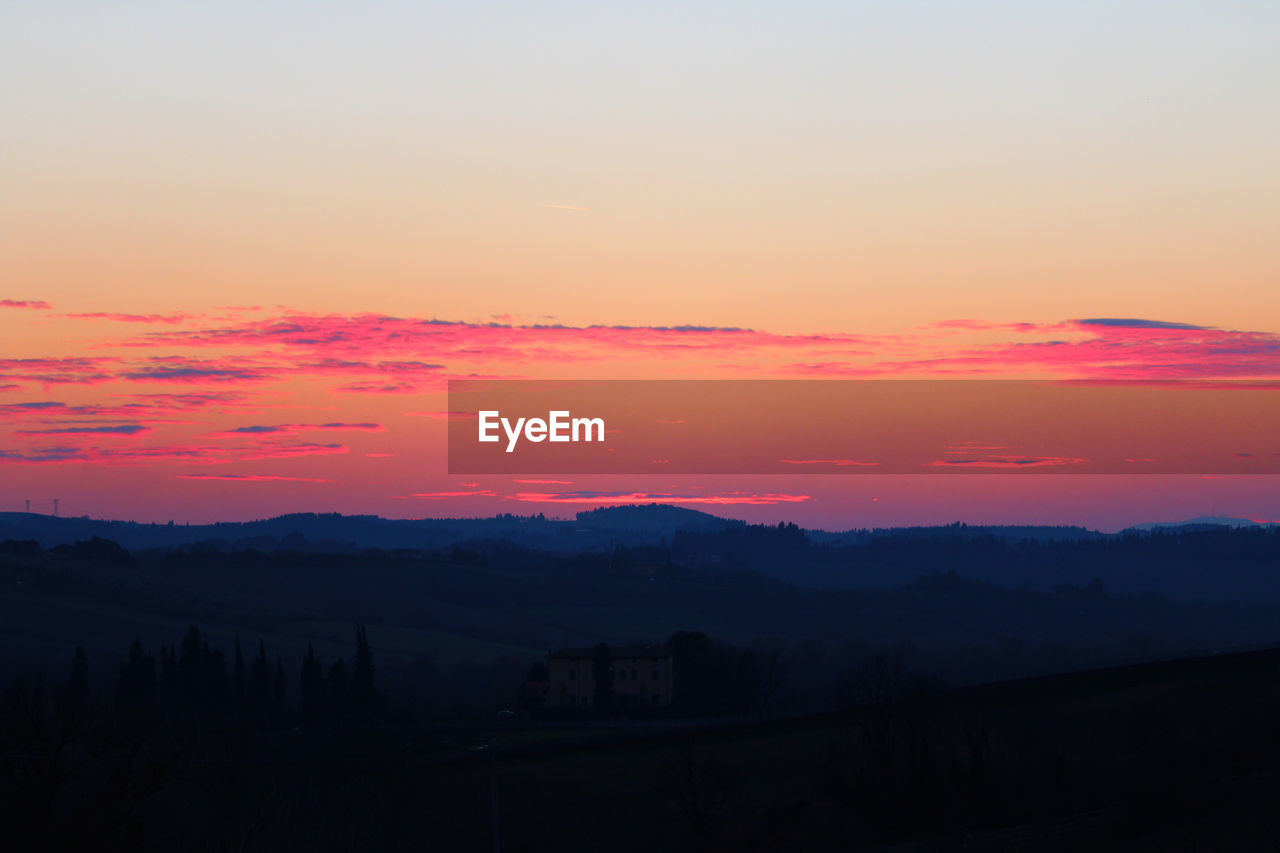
point(606, 527)
point(335, 532)
point(968, 602)
point(1197, 562)
point(652, 517)
point(644, 524)
point(1013, 532)
point(1200, 523)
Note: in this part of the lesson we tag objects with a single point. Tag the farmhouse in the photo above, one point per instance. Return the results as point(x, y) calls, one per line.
point(642, 677)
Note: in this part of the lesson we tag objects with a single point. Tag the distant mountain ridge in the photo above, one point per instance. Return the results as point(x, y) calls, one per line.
point(1200, 523)
point(1038, 532)
point(590, 530)
point(649, 516)
point(594, 529)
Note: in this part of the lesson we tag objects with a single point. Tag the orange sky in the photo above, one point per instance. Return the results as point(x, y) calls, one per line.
point(244, 413)
point(847, 180)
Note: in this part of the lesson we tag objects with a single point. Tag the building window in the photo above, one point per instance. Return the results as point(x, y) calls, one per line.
point(655, 673)
point(573, 674)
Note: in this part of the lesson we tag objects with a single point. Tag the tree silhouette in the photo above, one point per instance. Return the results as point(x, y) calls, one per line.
point(311, 686)
point(364, 695)
point(602, 672)
point(278, 694)
point(259, 686)
point(338, 686)
point(78, 685)
point(190, 654)
point(201, 672)
point(239, 679)
point(137, 674)
point(712, 678)
point(168, 670)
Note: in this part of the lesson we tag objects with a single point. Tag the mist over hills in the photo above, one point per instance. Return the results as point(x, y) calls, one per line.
point(596, 528)
point(508, 586)
point(601, 528)
point(1203, 522)
point(796, 642)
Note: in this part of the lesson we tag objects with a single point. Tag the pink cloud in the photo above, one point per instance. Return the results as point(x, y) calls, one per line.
point(108, 429)
point(167, 319)
point(379, 354)
point(38, 304)
point(162, 454)
point(1007, 462)
point(288, 451)
point(380, 388)
point(380, 335)
point(981, 326)
point(293, 429)
point(36, 407)
point(252, 478)
point(185, 402)
point(395, 355)
point(656, 497)
point(58, 371)
point(442, 416)
point(115, 456)
point(197, 371)
point(335, 366)
point(839, 463)
point(1120, 349)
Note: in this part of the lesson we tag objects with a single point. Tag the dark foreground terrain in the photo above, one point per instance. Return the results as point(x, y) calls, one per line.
point(1178, 755)
point(892, 690)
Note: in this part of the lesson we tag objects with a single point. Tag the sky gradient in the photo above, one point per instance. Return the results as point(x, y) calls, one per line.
point(244, 248)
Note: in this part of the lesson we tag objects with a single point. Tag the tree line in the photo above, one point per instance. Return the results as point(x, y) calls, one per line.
point(252, 690)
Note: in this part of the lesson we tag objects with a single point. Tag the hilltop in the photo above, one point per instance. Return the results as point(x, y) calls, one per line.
point(595, 529)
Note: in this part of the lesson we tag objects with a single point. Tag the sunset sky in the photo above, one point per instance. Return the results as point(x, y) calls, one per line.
point(245, 247)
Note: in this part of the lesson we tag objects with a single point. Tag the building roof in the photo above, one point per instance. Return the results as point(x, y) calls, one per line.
point(616, 653)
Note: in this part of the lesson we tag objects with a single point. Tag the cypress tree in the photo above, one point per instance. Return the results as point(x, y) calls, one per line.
point(259, 684)
point(364, 694)
point(311, 684)
point(217, 686)
point(278, 694)
point(137, 674)
point(337, 684)
point(168, 670)
point(602, 672)
point(78, 683)
point(238, 676)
